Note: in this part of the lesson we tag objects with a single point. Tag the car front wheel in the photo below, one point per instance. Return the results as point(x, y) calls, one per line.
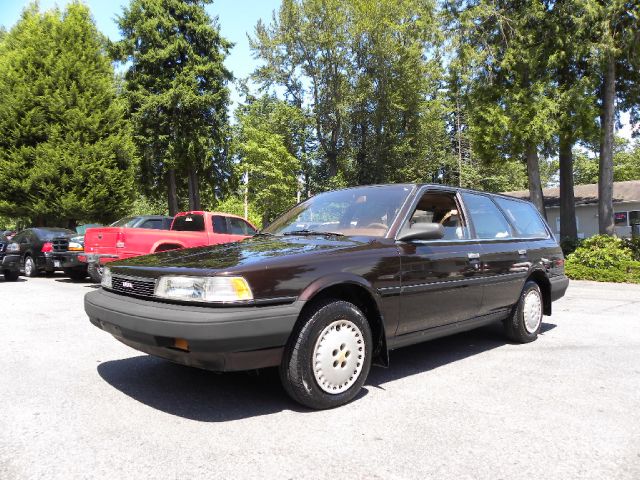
point(11, 275)
point(95, 271)
point(523, 325)
point(328, 356)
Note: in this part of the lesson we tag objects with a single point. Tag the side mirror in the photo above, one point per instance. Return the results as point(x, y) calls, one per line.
point(422, 231)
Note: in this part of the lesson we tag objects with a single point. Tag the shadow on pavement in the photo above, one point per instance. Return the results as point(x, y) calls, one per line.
point(219, 397)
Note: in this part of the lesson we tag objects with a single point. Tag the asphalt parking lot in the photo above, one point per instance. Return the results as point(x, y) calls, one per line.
point(75, 403)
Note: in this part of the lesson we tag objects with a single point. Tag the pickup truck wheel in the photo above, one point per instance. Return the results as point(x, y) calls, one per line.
point(30, 269)
point(76, 273)
point(523, 325)
point(328, 356)
point(95, 272)
point(11, 275)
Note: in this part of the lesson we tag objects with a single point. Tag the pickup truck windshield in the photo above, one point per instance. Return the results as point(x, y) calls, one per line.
point(188, 223)
point(365, 211)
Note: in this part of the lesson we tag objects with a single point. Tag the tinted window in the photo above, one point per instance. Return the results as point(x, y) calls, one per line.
point(487, 220)
point(219, 224)
point(125, 222)
point(155, 223)
point(634, 217)
point(167, 223)
point(524, 217)
point(239, 227)
point(189, 223)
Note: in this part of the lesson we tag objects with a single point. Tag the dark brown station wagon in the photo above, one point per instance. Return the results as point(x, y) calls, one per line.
point(335, 283)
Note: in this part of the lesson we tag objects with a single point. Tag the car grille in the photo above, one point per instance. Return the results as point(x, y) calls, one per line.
point(60, 244)
point(140, 287)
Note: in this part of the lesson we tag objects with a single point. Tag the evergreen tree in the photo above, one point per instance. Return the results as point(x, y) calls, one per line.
point(66, 151)
point(176, 85)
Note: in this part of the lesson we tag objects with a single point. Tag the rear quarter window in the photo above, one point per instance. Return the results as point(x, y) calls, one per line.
point(189, 223)
point(524, 217)
point(488, 220)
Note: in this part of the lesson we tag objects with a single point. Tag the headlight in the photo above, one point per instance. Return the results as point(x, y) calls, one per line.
point(204, 289)
point(106, 277)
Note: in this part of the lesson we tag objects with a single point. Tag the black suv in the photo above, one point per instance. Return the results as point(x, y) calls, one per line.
point(335, 283)
point(35, 250)
point(10, 271)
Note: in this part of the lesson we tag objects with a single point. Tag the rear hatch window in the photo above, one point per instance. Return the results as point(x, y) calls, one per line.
point(189, 223)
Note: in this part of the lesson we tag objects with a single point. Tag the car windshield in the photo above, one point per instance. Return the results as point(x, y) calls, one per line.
point(365, 211)
point(125, 222)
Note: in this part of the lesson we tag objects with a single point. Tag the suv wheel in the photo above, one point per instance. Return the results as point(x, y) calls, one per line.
point(328, 357)
point(11, 275)
point(95, 271)
point(524, 323)
point(30, 269)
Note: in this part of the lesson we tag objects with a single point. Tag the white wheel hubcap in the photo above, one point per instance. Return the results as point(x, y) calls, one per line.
point(28, 266)
point(532, 311)
point(338, 356)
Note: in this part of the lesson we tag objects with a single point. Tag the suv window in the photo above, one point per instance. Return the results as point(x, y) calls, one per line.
point(524, 217)
point(189, 223)
point(487, 219)
point(440, 208)
point(155, 223)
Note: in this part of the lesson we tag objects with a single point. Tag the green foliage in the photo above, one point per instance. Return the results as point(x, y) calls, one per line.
point(235, 205)
point(626, 164)
point(143, 205)
point(176, 85)
point(603, 258)
point(633, 244)
point(66, 151)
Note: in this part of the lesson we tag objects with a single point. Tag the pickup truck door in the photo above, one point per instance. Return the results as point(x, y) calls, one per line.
point(440, 283)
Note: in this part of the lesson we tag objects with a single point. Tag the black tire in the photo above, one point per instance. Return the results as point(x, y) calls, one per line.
point(49, 273)
point(516, 326)
point(297, 367)
point(76, 273)
point(11, 275)
point(95, 272)
point(30, 268)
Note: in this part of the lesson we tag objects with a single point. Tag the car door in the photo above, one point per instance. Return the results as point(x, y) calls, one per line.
point(504, 262)
point(438, 277)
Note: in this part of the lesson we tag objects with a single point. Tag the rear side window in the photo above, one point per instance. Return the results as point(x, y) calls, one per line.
point(240, 227)
point(189, 223)
point(523, 217)
point(487, 219)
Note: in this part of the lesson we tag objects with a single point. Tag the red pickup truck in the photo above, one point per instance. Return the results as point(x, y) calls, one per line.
point(189, 229)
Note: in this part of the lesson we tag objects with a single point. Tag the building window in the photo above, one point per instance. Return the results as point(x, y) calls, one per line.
point(634, 217)
point(621, 219)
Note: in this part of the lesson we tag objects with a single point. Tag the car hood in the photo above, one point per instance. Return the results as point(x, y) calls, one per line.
point(251, 253)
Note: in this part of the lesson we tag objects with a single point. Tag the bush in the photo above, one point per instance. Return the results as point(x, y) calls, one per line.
point(633, 244)
point(604, 259)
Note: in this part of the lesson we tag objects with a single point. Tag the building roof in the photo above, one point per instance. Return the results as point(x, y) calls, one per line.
point(628, 191)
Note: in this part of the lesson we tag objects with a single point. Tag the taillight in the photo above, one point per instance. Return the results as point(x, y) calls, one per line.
point(120, 240)
point(47, 247)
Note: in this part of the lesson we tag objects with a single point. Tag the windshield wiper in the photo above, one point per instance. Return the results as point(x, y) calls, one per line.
point(263, 234)
point(309, 233)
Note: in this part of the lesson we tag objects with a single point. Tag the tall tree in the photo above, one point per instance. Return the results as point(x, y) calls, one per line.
point(500, 50)
point(618, 45)
point(66, 150)
point(176, 85)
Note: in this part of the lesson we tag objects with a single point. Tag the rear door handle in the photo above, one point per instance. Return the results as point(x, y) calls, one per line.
point(473, 256)
point(522, 251)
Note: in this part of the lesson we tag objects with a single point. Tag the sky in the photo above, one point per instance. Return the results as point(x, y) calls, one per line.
point(235, 17)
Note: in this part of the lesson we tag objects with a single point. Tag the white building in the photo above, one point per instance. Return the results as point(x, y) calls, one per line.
point(626, 206)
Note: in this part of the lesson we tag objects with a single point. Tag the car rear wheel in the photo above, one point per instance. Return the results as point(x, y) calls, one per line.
point(525, 321)
point(328, 356)
point(76, 273)
point(30, 269)
point(11, 275)
point(95, 271)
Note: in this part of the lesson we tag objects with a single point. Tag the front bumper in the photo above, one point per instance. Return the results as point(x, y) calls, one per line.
point(559, 285)
point(10, 263)
point(219, 338)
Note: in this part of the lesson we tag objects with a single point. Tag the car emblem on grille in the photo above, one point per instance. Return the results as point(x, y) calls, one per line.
point(127, 284)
